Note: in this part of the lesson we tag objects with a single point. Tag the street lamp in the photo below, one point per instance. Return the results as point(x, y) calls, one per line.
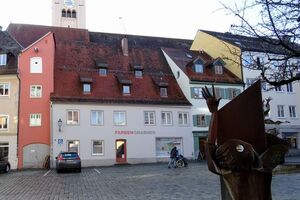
point(59, 123)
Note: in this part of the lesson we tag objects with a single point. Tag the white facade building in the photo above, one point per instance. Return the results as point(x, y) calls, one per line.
point(96, 131)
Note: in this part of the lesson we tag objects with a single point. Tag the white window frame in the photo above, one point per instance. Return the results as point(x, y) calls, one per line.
point(184, 115)
point(292, 111)
point(119, 115)
point(138, 73)
point(102, 146)
point(147, 115)
point(199, 68)
point(3, 59)
point(35, 119)
point(218, 69)
point(280, 111)
point(36, 65)
point(126, 89)
point(168, 121)
point(4, 87)
point(72, 121)
point(7, 122)
point(87, 88)
point(102, 71)
point(163, 91)
point(99, 114)
point(34, 94)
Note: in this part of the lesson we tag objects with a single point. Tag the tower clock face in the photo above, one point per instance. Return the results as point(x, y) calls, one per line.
point(69, 3)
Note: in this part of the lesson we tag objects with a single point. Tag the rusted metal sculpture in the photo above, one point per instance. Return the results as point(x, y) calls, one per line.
point(238, 149)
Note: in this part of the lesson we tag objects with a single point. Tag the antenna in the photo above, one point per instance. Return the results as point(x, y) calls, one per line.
point(122, 23)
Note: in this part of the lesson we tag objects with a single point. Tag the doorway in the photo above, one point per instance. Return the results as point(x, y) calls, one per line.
point(121, 156)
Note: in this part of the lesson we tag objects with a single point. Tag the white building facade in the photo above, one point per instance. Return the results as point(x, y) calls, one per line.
point(285, 104)
point(114, 134)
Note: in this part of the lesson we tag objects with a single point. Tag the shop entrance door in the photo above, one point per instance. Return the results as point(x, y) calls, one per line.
point(121, 156)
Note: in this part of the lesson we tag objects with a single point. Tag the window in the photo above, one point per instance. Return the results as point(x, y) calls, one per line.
point(183, 119)
point(280, 110)
point(289, 87)
point(218, 69)
point(196, 92)
point(166, 118)
point(35, 91)
point(3, 59)
point(264, 86)
point(3, 122)
point(63, 13)
point(149, 118)
point(119, 118)
point(247, 60)
point(126, 89)
point(138, 73)
point(73, 14)
point(198, 68)
point(73, 146)
point(4, 146)
point(36, 65)
point(69, 14)
point(73, 117)
point(97, 117)
point(102, 71)
point(201, 120)
point(278, 88)
point(35, 120)
point(292, 111)
point(164, 145)
point(97, 148)
point(4, 89)
point(163, 92)
point(86, 88)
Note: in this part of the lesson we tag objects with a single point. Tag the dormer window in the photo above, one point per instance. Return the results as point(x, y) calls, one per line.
point(198, 68)
point(86, 84)
point(138, 73)
point(163, 92)
point(86, 88)
point(218, 69)
point(102, 71)
point(102, 67)
point(3, 59)
point(126, 89)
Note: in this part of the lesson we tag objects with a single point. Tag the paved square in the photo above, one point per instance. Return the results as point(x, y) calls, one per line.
point(137, 182)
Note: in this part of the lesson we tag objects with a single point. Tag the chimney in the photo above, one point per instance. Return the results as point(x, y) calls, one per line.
point(124, 45)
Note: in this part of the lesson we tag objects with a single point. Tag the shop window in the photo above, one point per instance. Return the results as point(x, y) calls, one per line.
point(165, 144)
point(292, 142)
point(97, 148)
point(4, 147)
point(72, 117)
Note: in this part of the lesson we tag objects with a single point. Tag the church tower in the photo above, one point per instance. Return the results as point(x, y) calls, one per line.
point(68, 13)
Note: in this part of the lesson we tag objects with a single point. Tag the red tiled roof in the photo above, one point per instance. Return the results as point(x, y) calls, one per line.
point(77, 54)
point(184, 59)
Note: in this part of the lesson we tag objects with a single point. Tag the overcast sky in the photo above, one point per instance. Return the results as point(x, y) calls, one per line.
point(163, 18)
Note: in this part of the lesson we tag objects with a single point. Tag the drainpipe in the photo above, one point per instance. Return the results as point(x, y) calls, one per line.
point(19, 97)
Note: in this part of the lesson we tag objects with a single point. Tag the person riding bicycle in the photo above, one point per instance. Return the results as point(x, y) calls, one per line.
point(173, 157)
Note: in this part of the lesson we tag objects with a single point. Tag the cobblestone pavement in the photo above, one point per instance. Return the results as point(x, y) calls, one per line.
point(138, 182)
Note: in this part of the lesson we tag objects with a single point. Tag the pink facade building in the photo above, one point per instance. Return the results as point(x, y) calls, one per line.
point(36, 69)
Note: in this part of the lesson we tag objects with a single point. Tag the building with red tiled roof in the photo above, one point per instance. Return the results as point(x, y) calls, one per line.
point(114, 93)
point(193, 71)
point(9, 97)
